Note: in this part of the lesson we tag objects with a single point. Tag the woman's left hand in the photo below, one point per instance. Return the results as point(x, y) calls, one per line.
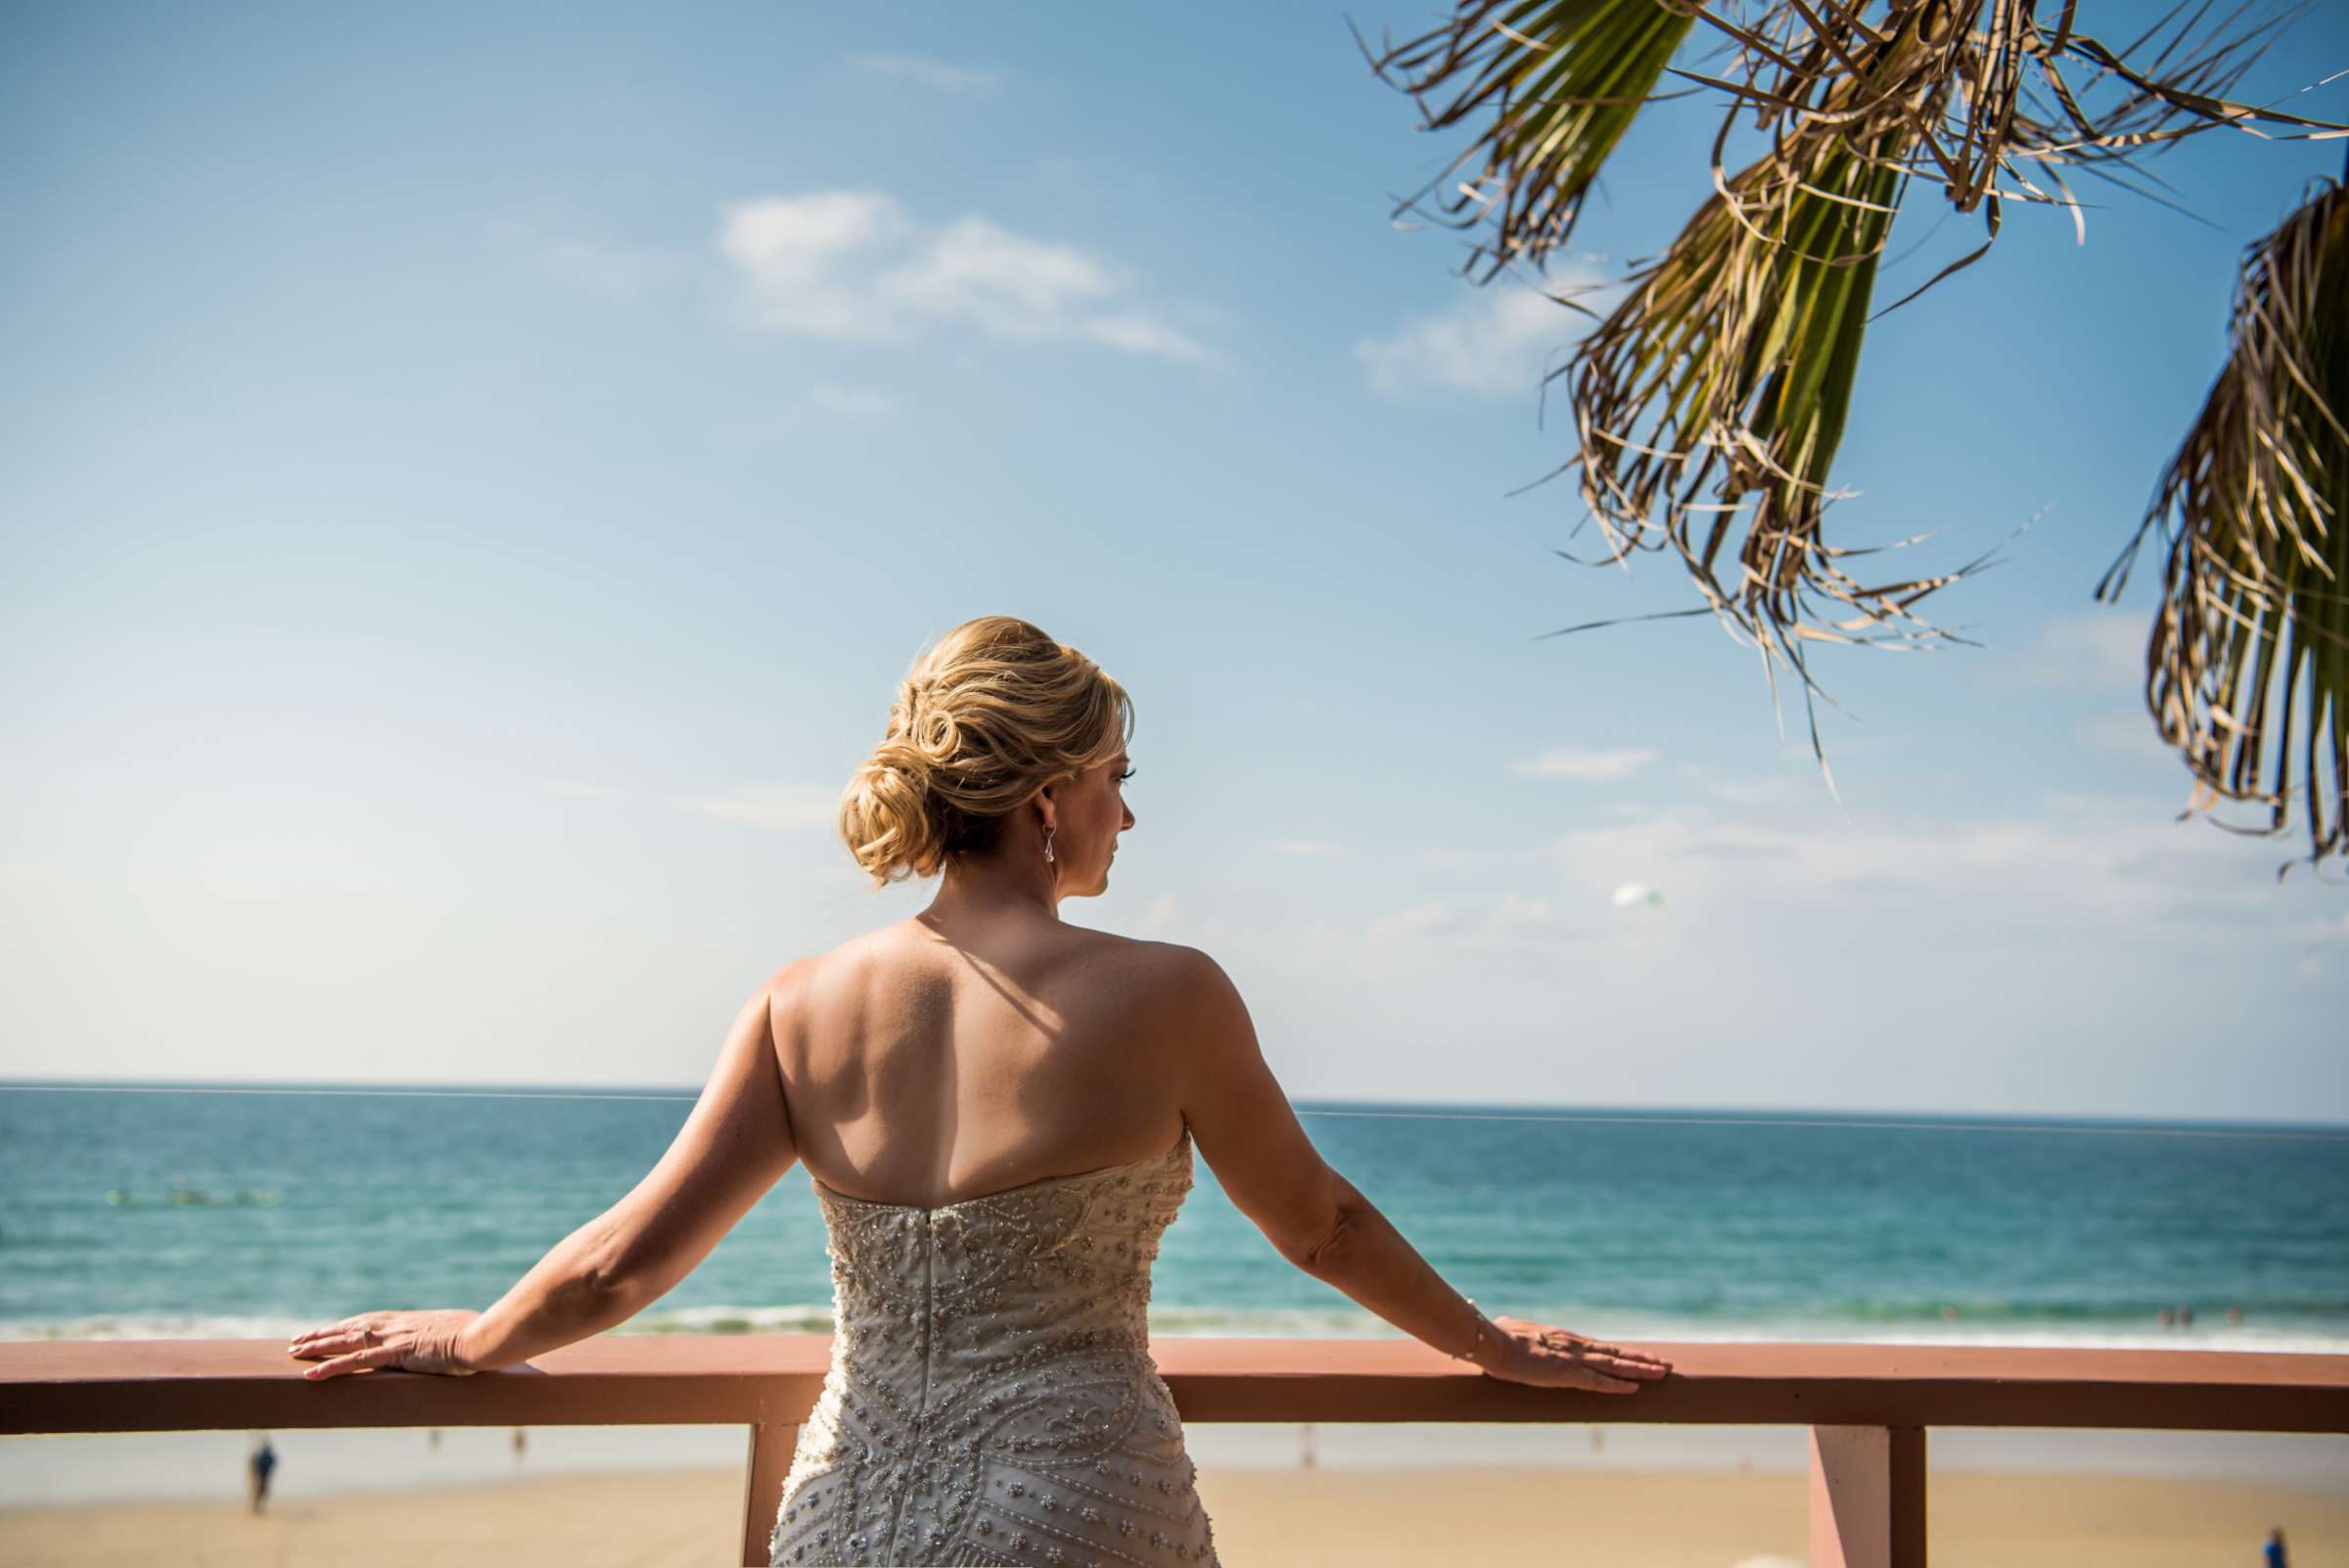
point(412, 1342)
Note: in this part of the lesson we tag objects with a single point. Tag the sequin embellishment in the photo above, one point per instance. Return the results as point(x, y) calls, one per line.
point(990, 1393)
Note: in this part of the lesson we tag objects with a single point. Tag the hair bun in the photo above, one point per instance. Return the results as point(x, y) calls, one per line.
point(990, 714)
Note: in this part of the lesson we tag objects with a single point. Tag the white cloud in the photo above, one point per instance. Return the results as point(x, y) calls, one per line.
point(1495, 343)
point(2117, 858)
point(935, 74)
point(1521, 936)
point(1162, 921)
point(1009, 284)
point(1144, 335)
point(1767, 788)
point(578, 789)
point(792, 254)
point(1590, 767)
point(606, 269)
point(1419, 920)
point(784, 806)
point(1802, 957)
point(1519, 928)
point(850, 402)
point(855, 265)
point(2101, 649)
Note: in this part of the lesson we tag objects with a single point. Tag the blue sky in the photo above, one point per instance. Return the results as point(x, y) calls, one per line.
point(472, 481)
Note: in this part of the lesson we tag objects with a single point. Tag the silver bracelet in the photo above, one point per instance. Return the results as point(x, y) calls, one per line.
point(1478, 1337)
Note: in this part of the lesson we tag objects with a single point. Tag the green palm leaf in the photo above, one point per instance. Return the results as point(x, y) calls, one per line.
point(1721, 384)
point(1709, 405)
point(1562, 79)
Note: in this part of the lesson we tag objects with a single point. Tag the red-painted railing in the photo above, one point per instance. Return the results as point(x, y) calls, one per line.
point(1869, 1406)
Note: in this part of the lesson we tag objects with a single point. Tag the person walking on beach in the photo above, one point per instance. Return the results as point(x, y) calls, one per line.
point(998, 1111)
point(2274, 1550)
point(258, 1465)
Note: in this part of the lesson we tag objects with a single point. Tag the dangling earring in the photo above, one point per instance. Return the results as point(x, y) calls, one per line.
point(1047, 844)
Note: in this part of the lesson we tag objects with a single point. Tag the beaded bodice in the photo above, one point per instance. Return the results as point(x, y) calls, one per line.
point(991, 1395)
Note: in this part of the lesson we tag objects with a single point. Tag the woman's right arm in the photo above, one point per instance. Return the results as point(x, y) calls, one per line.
point(1245, 1130)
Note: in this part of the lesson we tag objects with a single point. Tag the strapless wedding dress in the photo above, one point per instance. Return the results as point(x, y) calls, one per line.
point(991, 1396)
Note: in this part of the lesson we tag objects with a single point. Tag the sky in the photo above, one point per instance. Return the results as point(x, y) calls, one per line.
point(470, 479)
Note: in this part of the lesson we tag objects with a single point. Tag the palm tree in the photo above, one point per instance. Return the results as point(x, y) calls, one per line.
point(1709, 403)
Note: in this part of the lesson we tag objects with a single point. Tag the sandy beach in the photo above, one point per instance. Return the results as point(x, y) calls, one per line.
point(1367, 1518)
point(1363, 1493)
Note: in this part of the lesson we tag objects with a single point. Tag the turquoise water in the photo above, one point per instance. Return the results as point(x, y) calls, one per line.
point(167, 1214)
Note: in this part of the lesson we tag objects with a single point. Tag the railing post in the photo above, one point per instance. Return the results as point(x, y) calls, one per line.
point(1868, 1497)
point(769, 1463)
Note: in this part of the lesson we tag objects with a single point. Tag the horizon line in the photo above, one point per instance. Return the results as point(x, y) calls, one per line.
point(1451, 1110)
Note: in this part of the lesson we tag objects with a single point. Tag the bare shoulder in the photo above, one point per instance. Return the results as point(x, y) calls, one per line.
point(785, 993)
point(1107, 962)
point(1238, 1113)
point(1158, 974)
point(1194, 1011)
point(1159, 999)
point(851, 956)
point(794, 978)
point(1123, 975)
point(1123, 959)
point(1187, 979)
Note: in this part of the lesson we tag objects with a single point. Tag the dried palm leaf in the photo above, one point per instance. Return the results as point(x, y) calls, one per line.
point(1727, 371)
point(1558, 82)
point(1724, 380)
point(1563, 80)
point(1992, 119)
point(2252, 644)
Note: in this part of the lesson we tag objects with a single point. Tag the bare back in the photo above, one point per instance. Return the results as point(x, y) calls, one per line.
point(918, 1070)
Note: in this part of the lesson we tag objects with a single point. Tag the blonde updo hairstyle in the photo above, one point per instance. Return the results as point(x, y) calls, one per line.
point(990, 714)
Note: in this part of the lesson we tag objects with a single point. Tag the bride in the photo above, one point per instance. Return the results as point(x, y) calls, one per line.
point(998, 1112)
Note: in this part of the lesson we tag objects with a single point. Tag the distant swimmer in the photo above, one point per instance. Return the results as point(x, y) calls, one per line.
point(2186, 1315)
point(2234, 1314)
point(258, 1468)
point(2162, 1317)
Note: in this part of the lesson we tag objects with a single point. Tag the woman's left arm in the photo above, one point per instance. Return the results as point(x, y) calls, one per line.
point(734, 1146)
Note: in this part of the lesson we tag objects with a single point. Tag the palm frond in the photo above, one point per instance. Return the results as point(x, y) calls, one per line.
point(1710, 404)
point(2007, 120)
point(1563, 80)
point(2247, 668)
point(1721, 385)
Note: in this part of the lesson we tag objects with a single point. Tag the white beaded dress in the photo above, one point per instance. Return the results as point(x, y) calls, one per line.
point(991, 1396)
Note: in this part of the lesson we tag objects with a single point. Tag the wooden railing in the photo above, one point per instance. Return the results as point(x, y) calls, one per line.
point(1869, 1406)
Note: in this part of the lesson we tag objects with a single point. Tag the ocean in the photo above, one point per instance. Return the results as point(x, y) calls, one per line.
point(252, 1214)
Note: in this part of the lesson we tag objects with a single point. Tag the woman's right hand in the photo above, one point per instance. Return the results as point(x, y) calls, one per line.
point(1547, 1356)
